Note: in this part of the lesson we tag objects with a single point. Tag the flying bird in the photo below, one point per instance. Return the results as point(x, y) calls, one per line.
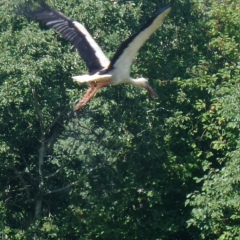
point(102, 71)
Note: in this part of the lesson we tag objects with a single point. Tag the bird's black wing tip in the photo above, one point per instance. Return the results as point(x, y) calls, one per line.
point(165, 8)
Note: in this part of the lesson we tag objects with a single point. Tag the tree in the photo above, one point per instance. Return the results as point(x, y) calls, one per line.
point(123, 166)
point(215, 209)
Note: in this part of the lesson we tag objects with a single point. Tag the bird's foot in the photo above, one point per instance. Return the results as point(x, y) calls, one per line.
point(94, 87)
point(87, 96)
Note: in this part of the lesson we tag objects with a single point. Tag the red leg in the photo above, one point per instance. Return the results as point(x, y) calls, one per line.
point(85, 98)
point(89, 94)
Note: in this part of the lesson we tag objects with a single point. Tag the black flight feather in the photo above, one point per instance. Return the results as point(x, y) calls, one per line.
point(127, 42)
point(69, 31)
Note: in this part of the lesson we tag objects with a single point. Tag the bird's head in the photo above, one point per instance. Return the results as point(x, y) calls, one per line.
point(143, 83)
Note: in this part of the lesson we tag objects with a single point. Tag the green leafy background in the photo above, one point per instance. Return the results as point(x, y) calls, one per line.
point(126, 166)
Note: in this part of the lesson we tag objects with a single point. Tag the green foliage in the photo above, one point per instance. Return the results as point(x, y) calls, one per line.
point(215, 208)
point(123, 167)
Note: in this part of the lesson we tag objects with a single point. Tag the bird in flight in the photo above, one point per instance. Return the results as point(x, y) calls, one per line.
point(102, 71)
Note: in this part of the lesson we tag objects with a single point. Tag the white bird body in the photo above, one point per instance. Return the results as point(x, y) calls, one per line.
point(102, 71)
point(92, 78)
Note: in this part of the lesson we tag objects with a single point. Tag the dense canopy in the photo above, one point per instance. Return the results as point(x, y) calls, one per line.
point(126, 166)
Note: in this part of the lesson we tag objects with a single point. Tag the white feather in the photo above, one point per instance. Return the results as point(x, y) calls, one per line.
point(98, 51)
point(122, 65)
point(92, 78)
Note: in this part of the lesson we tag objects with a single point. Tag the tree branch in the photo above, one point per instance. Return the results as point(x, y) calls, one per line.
point(23, 182)
point(54, 174)
point(63, 188)
point(74, 183)
point(38, 111)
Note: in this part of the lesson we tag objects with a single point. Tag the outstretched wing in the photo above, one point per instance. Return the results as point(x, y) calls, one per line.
point(76, 33)
point(125, 54)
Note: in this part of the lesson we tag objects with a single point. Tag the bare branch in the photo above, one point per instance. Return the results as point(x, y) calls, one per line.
point(63, 188)
point(38, 111)
point(76, 182)
point(42, 140)
point(23, 182)
point(57, 119)
point(54, 174)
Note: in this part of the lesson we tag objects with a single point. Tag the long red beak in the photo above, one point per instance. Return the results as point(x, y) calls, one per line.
point(151, 91)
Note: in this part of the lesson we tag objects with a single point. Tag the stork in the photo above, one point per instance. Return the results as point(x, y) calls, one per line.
point(102, 71)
